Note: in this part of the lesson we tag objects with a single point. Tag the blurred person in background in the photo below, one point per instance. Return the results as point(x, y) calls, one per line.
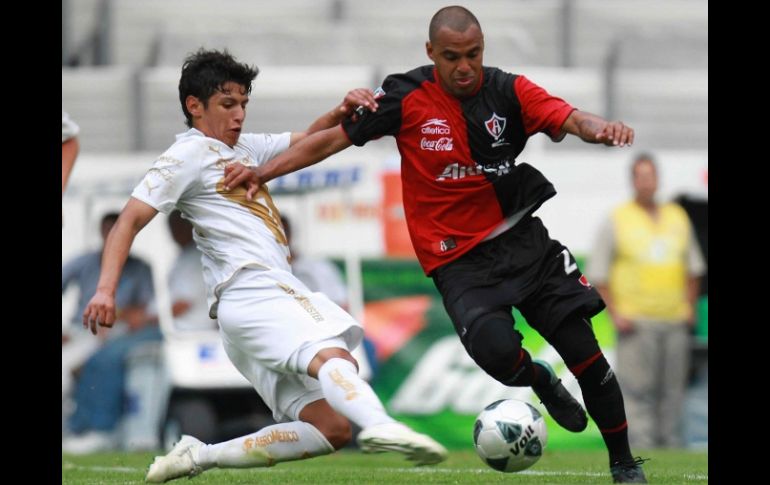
point(185, 280)
point(646, 264)
point(293, 345)
point(99, 389)
point(69, 148)
point(459, 126)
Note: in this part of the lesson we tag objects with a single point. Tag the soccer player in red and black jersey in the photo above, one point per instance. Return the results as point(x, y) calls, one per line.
point(469, 207)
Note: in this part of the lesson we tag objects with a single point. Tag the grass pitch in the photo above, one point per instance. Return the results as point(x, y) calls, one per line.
point(351, 467)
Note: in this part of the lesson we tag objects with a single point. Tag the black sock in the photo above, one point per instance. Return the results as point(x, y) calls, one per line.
point(604, 402)
point(542, 376)
point(525, 373)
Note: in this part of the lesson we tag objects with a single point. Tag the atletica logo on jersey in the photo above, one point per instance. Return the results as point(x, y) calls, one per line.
point(495, 127)
point(436, 126)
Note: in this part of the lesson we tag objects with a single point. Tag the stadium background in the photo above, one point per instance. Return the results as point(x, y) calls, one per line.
point(643, 62)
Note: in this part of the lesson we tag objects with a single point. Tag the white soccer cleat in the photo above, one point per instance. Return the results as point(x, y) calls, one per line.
point(177, 463)
point(420, 448)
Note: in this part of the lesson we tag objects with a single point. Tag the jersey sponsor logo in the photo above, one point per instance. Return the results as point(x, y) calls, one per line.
point(274, 436)
point(455, 171)
point(495, 127)
point(346, 385)
point(164, 168)
point(443, 144)
point(224, 162)
point(435, 126)
point(303, 301)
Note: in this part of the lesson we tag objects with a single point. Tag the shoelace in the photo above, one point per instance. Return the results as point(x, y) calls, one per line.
point(196, 469)
point(635, 462)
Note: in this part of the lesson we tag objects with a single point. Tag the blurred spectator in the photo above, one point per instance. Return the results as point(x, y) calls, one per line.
point(69, 148)
point(646, 264)
point(98, 393)
point(185, 280)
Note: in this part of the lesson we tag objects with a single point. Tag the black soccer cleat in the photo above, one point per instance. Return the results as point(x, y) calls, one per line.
point(629, 471)
point(562, 407)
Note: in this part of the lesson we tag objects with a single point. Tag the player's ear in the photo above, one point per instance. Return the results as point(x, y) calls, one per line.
point(194, 106)
point(429, 50)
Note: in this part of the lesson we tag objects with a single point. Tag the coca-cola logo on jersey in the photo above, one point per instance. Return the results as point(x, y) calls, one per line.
point(436, 126)
point(443, 144)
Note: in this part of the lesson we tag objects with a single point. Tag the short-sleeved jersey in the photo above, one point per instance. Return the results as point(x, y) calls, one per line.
point(458, 156)
point(231, 232)
point(69, 129)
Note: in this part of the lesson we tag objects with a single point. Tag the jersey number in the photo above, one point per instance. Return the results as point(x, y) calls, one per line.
point(569, 267)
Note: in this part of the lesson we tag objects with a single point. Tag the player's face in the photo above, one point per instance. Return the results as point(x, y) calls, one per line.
point(223, 117)
point(645, 181)
point(458, 57)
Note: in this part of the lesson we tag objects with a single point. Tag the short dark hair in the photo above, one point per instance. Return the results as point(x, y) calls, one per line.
point(206, 71)
point(455, 17)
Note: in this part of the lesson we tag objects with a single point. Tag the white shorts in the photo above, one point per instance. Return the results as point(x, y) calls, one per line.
point(272, 326)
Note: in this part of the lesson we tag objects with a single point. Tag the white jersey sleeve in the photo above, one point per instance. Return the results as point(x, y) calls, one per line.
point(173, 173)
point(69, 129)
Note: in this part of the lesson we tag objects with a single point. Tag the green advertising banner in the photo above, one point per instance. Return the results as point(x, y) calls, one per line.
point(426, 378)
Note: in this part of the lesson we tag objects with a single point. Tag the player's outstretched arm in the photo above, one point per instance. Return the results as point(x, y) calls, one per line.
point(309, 151)
point(595, 129)
point(101, 309)
point(355, 98)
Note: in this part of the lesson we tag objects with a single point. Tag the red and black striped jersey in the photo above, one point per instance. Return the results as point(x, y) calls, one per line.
point(458, 156)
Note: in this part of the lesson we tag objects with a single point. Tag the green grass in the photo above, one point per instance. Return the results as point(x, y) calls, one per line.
point(350, 467)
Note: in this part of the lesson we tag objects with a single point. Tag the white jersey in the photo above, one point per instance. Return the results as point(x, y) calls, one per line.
point(232, 233)
point(69, 129)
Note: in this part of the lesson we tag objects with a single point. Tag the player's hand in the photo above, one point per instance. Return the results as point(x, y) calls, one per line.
point(624, 326)
point(691, 319)
point(357, 97)
point(100, 311)
point(615, 133)
point(238, 174)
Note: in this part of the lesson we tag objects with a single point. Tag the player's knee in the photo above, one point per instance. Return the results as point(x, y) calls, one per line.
point(327, 354)
point(337, 430)
point(495, 346)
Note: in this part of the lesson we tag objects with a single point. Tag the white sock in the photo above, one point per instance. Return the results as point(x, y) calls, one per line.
point(270, 445)
point(350, 395)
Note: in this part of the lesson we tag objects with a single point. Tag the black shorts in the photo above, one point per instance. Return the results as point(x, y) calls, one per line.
point(524, 268)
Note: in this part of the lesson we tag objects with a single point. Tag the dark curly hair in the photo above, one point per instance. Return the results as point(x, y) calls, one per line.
point(206, 71)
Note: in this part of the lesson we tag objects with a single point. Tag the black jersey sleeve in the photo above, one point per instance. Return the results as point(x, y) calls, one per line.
point(386, 120)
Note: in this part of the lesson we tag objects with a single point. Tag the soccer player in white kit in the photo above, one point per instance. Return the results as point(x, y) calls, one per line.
point(293, 345)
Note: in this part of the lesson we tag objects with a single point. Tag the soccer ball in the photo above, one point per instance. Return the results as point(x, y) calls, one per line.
point(510, 435)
